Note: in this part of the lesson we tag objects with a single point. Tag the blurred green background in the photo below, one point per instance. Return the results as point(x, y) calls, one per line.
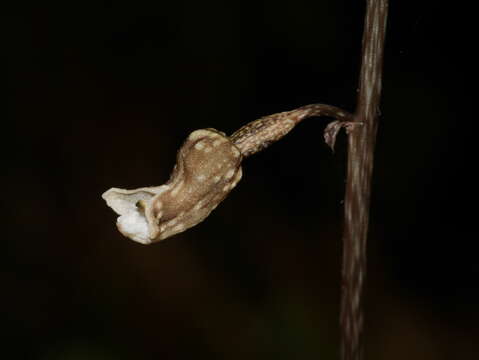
point(102, 94)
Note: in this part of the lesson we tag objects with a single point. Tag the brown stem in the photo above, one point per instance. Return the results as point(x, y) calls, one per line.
point(361, 145)
point(259, 134)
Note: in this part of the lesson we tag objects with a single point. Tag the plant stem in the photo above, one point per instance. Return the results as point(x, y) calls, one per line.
point(361, 143)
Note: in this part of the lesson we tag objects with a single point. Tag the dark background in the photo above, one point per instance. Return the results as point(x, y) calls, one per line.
point(102, 94)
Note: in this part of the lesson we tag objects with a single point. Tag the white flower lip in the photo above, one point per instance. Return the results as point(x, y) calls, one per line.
point(133, 221)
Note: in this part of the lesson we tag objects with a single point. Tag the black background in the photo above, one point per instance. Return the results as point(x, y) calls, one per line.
point(102, 94)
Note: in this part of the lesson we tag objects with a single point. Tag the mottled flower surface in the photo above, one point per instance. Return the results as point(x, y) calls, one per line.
point(207, 169)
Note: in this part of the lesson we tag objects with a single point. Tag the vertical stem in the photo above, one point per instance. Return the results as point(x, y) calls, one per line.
point(361, 143)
